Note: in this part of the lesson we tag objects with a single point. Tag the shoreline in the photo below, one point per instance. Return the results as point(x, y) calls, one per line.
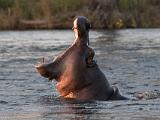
point(94, 29)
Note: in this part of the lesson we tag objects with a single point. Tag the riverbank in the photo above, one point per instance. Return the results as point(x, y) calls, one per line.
point(59, 14)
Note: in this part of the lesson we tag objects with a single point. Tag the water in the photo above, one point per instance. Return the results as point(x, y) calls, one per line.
point(129, 58)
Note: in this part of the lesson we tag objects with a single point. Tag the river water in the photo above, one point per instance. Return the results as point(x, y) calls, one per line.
point(130, 59)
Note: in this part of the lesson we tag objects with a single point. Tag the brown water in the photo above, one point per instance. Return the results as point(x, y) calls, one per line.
point(130, 60)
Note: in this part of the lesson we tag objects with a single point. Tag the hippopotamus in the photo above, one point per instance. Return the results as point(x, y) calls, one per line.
point(77, 74)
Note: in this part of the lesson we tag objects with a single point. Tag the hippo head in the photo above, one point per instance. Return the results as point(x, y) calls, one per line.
point(54, 69)
point(81, 27)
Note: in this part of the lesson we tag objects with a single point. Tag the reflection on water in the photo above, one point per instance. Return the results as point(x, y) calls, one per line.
point(129, 58)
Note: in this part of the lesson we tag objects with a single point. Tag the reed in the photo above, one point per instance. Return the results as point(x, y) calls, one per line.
point(130, 4)
point(60, 13)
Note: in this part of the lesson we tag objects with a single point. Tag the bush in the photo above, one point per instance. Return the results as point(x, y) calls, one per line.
point(4, 4)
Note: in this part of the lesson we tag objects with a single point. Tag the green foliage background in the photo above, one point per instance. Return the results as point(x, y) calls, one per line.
point(109, 14)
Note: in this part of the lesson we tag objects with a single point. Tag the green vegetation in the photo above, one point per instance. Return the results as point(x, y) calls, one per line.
point(47, 14)
point(6, 3)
